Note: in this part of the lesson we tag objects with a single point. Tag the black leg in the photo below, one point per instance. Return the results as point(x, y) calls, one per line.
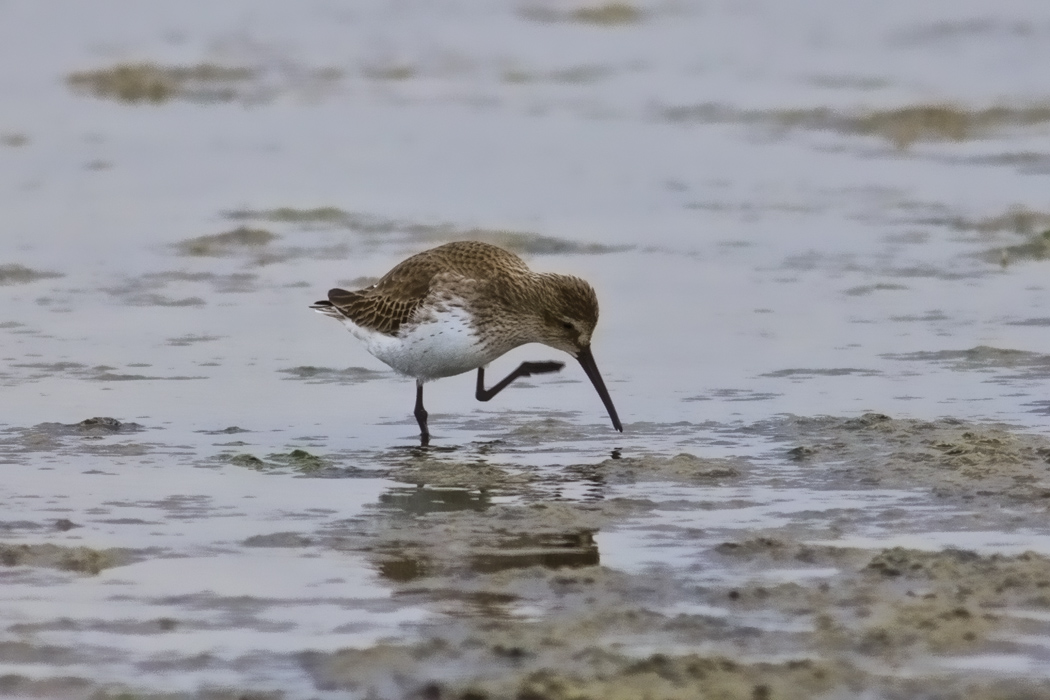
point(524, 370)
point(421, 416)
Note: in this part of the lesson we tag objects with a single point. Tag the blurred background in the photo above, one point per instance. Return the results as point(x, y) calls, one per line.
point(763, 193)
point(807, 208)
point(753, 187)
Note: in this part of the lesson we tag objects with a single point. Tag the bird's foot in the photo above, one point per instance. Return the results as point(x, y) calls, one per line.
point(530, 368)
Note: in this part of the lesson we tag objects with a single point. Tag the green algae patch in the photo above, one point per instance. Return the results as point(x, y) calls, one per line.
point(1037, 247)
point(609, 14)
point(518, 76)
point(83, 560)
point(315, 215)
point(1032, 225)
point(248, 461)
point(950, 456)
point(573, 75)
point(895, 603)
point(297, 460)
point(20, 274)
point(530, 673)
point(13, 140)
point(901, 126)
point(532, 243)
point(106, 424)
point(16, 685)
point(935, 625)
point(945, 122)
point(154, 83)
point(329, 216)
point(682, 467)
point(770, 549)
point(278, 540)
point(985, 358)
point(225, 244)
point(1020, 220)
point(991, 581)
point(70, 687)
point(866, 289)
point(454, 474)
point(392, 72)
point(953, 600)
point(107, 692)
point(329, 375)
point(583, 656)
point(523, 242)
point(192, 339)
point(300, 460)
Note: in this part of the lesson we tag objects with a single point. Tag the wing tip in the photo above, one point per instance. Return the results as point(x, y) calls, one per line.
point(336, 294)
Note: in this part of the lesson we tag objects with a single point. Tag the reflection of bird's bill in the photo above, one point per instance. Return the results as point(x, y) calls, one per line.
point(587, 362)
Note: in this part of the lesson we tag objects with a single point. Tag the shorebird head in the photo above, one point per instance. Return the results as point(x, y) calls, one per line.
point(570, 313)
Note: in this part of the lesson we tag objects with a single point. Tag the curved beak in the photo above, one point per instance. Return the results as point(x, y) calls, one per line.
point(587, 362)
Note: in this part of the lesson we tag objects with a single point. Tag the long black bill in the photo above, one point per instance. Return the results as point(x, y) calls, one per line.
point(587, 361)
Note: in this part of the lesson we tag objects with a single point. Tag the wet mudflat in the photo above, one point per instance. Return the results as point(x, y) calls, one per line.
point(819, 238)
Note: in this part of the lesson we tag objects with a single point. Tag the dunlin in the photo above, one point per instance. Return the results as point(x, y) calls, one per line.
point(458, 307)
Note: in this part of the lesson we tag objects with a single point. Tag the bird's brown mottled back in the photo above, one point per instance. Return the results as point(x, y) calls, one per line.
point(393, 300)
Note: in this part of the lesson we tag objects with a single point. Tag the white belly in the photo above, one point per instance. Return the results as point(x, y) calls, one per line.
point(443, 346)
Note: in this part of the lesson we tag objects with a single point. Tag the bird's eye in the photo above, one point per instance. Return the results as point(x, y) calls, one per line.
point(566, 325)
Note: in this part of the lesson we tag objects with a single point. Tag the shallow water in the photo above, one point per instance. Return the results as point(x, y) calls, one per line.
point(838, 314)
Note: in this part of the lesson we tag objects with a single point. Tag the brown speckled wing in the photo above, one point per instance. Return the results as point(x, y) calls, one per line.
point(369, 309)
point(389, 303)
point(450, 270)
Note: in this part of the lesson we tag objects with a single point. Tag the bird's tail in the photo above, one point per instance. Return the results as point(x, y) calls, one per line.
point(326, 308)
